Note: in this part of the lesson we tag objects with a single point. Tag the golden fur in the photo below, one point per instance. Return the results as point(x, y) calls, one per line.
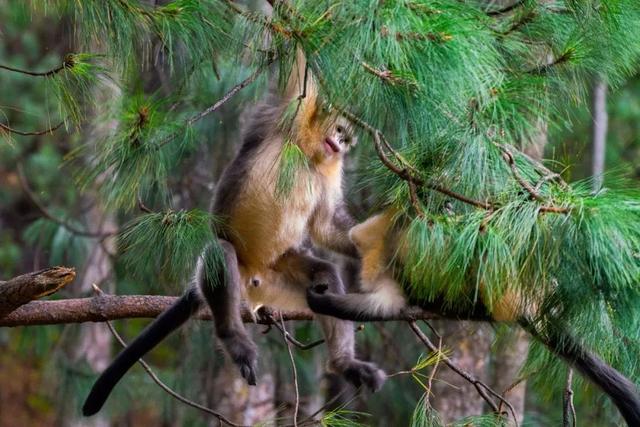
point(378, 241)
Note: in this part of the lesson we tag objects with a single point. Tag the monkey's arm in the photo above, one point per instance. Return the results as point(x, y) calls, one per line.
point(330, 229)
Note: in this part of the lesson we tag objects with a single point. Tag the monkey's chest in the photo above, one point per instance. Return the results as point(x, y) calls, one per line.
point(265, 224)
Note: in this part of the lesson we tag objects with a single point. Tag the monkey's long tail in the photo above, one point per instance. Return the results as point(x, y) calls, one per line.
point(622, 391)
point(158, 330)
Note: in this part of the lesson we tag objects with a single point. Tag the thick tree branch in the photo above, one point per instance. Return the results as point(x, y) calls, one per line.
point(113, 307)
point(28, 287)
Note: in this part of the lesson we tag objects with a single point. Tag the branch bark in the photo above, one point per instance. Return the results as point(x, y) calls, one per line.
point(22, 289)
point(113, 307)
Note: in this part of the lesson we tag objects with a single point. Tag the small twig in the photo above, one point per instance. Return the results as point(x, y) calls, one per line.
point(384, 75)
point(142, 206)
point(509, 158)
point(295, 374)
point(483, 389)
point(310, 419)
point(34, 73)
point(159, 382)
point(506, 9)
point(31, 133)
point(32, 197)
point(542, 70)
point(295, 342)
point(568, 409)
point(546, 178)
point(533, 193)
point(227, 96)
point(237, 88)
point(435, 367)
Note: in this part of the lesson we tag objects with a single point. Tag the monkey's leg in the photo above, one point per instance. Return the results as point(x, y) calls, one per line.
point(223, 295)
point(304, 269)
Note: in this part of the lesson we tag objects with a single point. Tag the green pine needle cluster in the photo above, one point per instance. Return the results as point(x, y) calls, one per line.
point(292, 162)
point(169, 244)
point(76, 82)
point(182, 31)
point(133, 159)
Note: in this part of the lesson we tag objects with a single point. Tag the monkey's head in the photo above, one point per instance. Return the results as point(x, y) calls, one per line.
point(329, 139)
point(338, 138)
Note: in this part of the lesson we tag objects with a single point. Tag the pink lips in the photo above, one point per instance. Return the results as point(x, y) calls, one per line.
point(331, 146)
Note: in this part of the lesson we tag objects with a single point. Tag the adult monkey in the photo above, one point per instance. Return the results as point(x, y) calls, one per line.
point(381, 243)
point(268, 260)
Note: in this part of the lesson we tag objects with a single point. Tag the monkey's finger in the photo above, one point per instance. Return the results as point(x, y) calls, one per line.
point(249, 374)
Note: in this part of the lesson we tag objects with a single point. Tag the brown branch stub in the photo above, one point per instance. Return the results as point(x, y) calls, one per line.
point(22, 289)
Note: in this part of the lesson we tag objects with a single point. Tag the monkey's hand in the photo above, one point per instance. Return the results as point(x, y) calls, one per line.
point(322, 301)
point(244, 354)
point(360, 373)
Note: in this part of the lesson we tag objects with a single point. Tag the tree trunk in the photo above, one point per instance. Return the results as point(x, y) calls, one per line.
point(600, 123)
point(93, 345)
point(469, 342)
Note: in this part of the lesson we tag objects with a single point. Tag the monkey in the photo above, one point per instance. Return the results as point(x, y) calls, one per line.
point(385, 296)
point(265, 239)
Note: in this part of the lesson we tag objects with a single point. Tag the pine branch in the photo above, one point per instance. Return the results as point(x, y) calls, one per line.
point(115, 307)
point(31, 133)
point(20, 290)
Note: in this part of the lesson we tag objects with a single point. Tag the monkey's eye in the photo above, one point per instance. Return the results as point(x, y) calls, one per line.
point(339, 129)
point(347, 140)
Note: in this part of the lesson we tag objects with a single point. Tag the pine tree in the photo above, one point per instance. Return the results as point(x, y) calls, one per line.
point(446, 93)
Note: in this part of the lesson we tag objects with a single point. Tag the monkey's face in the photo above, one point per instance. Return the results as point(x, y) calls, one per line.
point(338, 138)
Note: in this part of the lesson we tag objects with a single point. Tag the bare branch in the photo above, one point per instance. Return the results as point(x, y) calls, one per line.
point(295, 374)
point(34, 73)
point(568, 409)
point(227, 96)
point(31, 133)
point(22, 289)
point(237, 88)
point(32, 197)
point(482, 389)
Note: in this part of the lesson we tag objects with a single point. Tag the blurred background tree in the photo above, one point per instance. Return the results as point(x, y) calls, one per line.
point(116, 121)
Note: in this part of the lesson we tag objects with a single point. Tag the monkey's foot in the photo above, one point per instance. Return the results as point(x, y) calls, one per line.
point(360, 373)
point(244, 354)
